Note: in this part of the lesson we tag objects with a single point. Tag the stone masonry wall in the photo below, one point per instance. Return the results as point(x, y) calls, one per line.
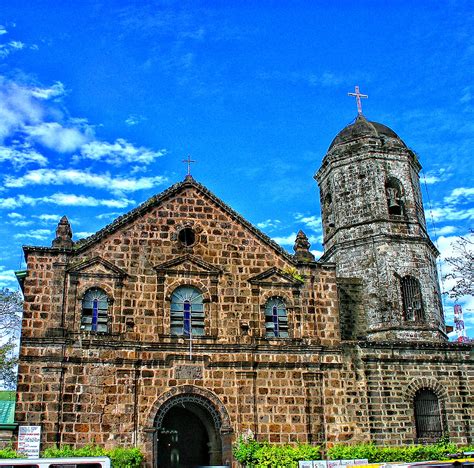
point(395, 372)
point(83, 387)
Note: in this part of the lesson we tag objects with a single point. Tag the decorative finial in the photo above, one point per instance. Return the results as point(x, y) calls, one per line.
point(63, 234)
point(301, 248)
point(358, 95)
point(188, 162)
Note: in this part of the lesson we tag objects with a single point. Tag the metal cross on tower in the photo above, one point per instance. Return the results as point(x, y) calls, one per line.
point(188, 161)
point(358, 95)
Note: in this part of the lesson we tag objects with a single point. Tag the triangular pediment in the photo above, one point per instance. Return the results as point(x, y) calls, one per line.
point(174, 192)
point(276, 278)
point(97, 266)
point(187, 264)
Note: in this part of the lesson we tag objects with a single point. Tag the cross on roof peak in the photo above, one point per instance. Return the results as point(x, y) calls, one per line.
point(358, 95)
point(188, 161)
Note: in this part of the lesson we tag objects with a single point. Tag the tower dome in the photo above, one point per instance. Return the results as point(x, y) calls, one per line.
point(363, 128)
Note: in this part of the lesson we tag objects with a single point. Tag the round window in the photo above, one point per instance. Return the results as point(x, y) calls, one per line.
point(187, 237)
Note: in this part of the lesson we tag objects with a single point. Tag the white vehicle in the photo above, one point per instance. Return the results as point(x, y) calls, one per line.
point(75, 462)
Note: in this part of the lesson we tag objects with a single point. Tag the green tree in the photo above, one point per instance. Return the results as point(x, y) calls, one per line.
point(11, 306)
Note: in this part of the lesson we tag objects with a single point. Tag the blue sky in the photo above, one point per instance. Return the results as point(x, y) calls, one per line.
point(100, 101)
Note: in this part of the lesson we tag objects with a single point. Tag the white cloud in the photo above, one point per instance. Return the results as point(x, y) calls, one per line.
point(48, 217)
point(81, 200)
point(286, 240)
point(17, 108)
point(37, 234)
point(83, 234)
point(436, 175)
point(78, 177)
point(7, 278)
point(431, 179)
point(119, 152)
point(460, 195)
point(10, 203)
point(15, 215)
point(269, 223)
point(26, 115)
point(9, 47)
point(64, 199)
point(317, 253)
point(3, 30)
point(448, 213)
point(446, 230)
point(57, 137)
point(108, 215)
point(56, 90)
point(134, 119)
point(313, 222)
point(21, 155)
point(456, 206)
point(30, 115)
point(21, 223)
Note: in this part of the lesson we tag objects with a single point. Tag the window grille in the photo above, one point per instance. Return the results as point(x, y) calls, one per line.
point(412, 300)
point(94, 311)
point(187, 311)
point(427, 415)
point(276, 320)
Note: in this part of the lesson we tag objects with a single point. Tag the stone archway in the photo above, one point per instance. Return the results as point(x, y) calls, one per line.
point(191, 430)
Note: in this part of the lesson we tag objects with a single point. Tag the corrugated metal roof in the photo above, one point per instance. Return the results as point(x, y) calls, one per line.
point(7, 411)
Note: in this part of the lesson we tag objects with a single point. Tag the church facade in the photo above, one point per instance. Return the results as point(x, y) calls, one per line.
point(180, 325)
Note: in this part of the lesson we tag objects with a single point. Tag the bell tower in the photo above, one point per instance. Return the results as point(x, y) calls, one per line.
point(374, 230)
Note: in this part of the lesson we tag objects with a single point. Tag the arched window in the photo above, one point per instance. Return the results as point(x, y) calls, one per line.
point(276, 321)
point(94, 311)
point(394, 194)
point(427, 415)
point(412, 300)
point(187, 311)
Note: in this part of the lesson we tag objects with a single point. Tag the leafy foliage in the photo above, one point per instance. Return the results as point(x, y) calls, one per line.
point(8, 362)
point(462, 267)
point(255, 454)
point(8, 452)
point(11, 305)
point(405, 454)
point(120, 457)
point(292, 271)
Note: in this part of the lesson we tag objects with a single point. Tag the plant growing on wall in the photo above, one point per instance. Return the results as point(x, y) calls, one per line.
point(293, 272)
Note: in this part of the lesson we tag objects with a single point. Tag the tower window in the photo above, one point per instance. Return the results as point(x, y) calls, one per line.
point(394, 194)
point(94, 311)
point(412, 299)
point(187, 311)
point(276, 320)
point(328, 215)
point(427, 415)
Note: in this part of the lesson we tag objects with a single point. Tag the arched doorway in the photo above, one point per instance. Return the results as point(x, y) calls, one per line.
point(188, 433)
